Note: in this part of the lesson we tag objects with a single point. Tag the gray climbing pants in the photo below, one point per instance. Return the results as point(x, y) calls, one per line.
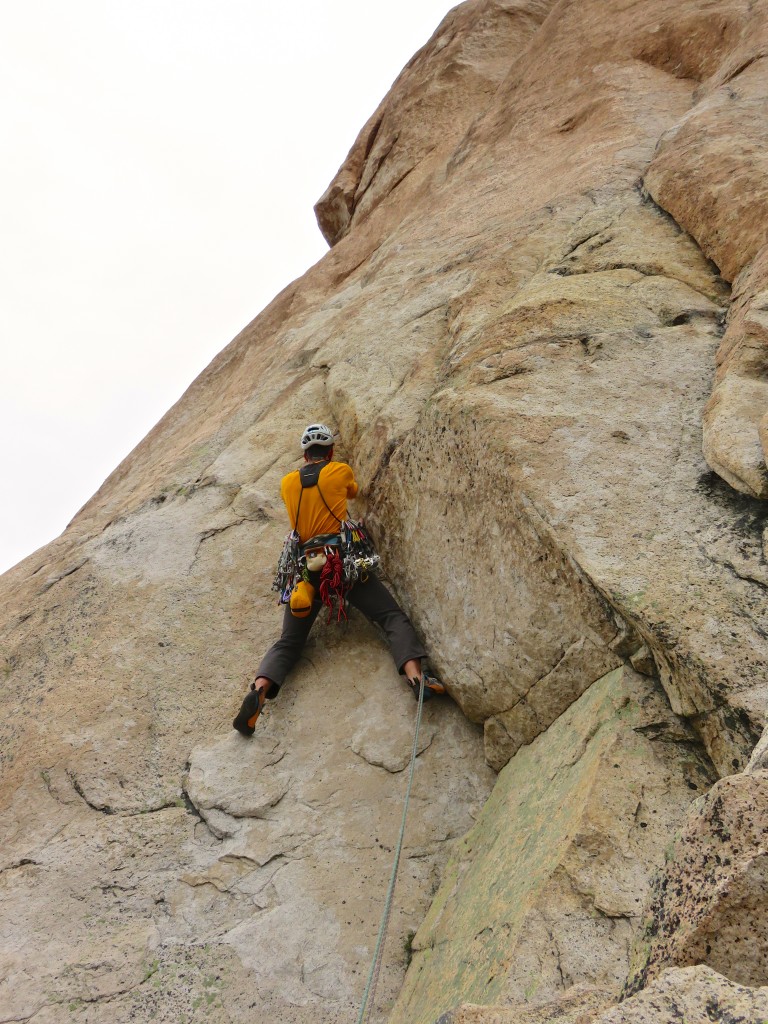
point(375, 602)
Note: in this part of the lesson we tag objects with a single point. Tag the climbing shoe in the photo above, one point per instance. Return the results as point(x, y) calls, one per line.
point(432, 686)
point(249, 712)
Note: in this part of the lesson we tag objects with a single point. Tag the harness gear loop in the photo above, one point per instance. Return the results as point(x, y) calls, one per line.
point(378, 956)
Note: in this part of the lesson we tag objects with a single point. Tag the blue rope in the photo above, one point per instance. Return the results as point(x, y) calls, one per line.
point(373, 976)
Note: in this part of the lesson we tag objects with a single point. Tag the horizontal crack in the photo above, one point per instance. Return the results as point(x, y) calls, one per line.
point(583, 241)
point(23, 862)
point(741, 68)
point(105, 809)
point(26, 1019)
point(432, 309)
point(213, 532)
point(108, 809)
point(62, 576)
point(730, 567)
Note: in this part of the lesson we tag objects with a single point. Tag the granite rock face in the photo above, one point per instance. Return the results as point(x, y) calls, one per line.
point(695, 995)
point(428, 110)
point(558, 865)
point(578, 1005)
point(522, 328)
point(257, 886)
point(711, 173)
point(735, 443)
point(710, 902)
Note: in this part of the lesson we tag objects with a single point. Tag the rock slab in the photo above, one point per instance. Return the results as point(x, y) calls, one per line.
point(547, 888)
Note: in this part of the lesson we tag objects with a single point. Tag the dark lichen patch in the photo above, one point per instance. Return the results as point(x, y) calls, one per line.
point(697, 911)
point(748, 516)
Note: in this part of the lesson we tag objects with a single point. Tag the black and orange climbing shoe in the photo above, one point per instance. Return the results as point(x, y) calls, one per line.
point(432, 686)
point(249, 712)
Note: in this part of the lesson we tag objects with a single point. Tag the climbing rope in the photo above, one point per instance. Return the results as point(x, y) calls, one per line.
point(373, 976)
point(332, 585)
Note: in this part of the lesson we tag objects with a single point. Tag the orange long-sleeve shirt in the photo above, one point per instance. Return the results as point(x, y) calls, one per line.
point(337, 482)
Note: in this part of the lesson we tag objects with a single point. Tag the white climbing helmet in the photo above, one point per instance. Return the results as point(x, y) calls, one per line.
point(316, 433)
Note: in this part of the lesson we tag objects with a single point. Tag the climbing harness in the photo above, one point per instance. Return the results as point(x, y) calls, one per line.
point(373, 976)
point(342, 559)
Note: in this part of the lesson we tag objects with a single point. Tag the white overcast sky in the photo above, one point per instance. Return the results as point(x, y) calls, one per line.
point(161, 160)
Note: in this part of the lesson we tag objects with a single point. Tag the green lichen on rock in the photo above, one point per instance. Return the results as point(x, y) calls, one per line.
point(571, 828)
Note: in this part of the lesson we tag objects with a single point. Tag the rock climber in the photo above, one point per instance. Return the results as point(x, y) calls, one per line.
point(316, 501)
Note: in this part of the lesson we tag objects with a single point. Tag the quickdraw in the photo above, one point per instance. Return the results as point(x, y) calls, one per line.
point(359, 554)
